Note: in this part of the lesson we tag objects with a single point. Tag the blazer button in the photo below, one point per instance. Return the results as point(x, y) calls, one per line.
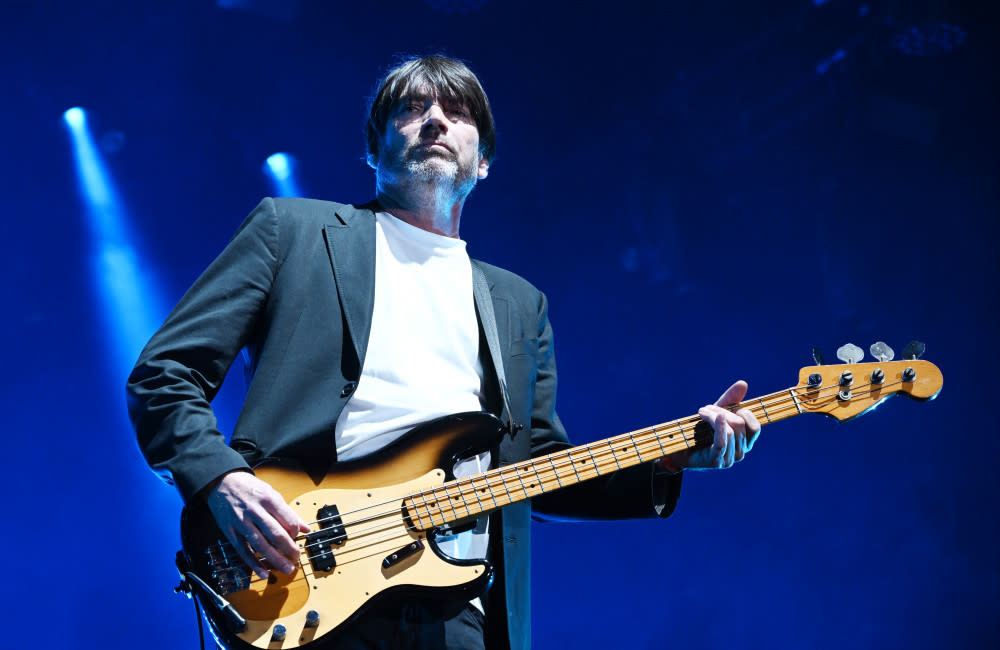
point(348, 388)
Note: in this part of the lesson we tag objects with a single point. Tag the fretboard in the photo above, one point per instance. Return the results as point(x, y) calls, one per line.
point(472, 496)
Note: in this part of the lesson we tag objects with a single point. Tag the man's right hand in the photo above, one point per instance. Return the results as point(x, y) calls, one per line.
point(256, 520)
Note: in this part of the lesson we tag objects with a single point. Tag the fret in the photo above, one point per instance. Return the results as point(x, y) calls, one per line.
point(506, 488)
point(764, 408)
point(431, 507)
point(465, 504)
point(572, 466)
point(555, 471)
point(520, 480)
point(488, 488)
point(412, 509)
point(635, 445)
point(684, 436)
point(593, 461)
point(659, 441)
point(448, 499)
point(795, 400)
point(427, 508)
point(475, 493)
point(614, 456)
point(508, 492)
point(541, 482)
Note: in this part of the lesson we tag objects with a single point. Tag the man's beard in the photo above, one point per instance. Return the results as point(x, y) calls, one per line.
point(442, 171)
point(432, 168)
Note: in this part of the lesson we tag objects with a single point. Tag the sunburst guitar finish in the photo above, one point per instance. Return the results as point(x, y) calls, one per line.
point(370, 497)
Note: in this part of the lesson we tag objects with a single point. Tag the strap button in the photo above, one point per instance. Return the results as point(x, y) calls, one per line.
point(348, 388)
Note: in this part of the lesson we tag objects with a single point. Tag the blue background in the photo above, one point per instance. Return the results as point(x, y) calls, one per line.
point(688, 175)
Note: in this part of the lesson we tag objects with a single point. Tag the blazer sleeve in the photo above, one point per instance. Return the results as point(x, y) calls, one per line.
point(635, 492)
point(182, 367)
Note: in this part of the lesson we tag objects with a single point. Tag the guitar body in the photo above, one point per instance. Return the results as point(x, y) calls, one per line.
point(370, 548)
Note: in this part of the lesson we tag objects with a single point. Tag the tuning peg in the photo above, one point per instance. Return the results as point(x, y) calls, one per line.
point(882, 351)
point(914, 350)
point(817, 357)
point(850, 353)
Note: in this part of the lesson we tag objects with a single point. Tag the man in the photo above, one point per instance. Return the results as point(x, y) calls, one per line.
point(359, 323)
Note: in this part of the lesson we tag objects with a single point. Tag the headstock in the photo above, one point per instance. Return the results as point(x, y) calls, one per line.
point(849, 390)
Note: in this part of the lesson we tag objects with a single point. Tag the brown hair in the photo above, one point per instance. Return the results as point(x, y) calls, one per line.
point(450, 79)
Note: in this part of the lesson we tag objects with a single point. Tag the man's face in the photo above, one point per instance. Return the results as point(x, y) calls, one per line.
point(429, 139)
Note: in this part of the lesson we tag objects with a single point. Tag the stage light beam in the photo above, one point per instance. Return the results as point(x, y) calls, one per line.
point(280, 167)
point(132, 305)
point(75, 117)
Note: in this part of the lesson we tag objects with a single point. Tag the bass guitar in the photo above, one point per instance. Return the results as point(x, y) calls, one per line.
point(375, 519)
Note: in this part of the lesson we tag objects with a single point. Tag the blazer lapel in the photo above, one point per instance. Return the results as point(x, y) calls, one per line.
point(350, 243)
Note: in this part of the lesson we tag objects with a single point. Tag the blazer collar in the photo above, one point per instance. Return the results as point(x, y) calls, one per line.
point(350, 242)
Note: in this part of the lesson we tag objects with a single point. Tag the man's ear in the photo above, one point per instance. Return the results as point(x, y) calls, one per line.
point(371, 160)
point(484, 167)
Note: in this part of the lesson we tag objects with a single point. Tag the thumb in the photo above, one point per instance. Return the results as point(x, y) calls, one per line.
point(733, 394)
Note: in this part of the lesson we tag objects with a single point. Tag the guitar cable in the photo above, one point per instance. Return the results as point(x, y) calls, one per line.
point(233, 618)
point(201, 625)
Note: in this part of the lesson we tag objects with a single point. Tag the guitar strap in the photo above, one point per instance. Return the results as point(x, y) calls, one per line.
point(484, 304)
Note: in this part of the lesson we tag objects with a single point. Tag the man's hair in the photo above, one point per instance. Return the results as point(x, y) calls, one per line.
point(448, 79)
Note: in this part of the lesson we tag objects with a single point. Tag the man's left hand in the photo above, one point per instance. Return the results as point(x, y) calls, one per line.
point(735, 433)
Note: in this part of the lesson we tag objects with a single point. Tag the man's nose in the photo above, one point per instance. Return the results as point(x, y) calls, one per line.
point(435, 119)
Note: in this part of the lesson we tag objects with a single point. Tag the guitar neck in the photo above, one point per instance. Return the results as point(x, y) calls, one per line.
point(472, 496)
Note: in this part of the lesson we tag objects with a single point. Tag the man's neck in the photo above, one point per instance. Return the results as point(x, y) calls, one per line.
point(427, 206)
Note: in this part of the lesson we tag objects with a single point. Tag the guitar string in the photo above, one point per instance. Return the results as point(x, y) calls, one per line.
point(485, 483)
point(646, 437)
point(638, 436)
point(492, 477)
point(782, 403)
point(490, 483)
point(641, 438)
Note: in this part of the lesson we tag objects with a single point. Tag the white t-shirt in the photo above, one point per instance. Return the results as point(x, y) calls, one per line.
point(423, 352)
point(422, 360)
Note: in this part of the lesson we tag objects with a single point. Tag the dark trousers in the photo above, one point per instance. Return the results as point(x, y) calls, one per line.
point(414, 627)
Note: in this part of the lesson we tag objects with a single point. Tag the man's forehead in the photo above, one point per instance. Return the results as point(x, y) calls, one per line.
point(425, 91)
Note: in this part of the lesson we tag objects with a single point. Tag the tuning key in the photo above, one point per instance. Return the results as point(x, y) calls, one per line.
point(850, 353)
point(882, 351)
point(817, 357)
point(914, 350)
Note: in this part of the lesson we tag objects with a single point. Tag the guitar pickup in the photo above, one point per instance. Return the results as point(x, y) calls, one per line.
point(403, 553)
point(319, 545)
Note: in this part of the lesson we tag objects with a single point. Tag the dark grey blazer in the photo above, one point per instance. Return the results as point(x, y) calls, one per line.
point(295, 290)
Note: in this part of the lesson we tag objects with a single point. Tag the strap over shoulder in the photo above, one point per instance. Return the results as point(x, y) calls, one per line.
point(484, 305)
